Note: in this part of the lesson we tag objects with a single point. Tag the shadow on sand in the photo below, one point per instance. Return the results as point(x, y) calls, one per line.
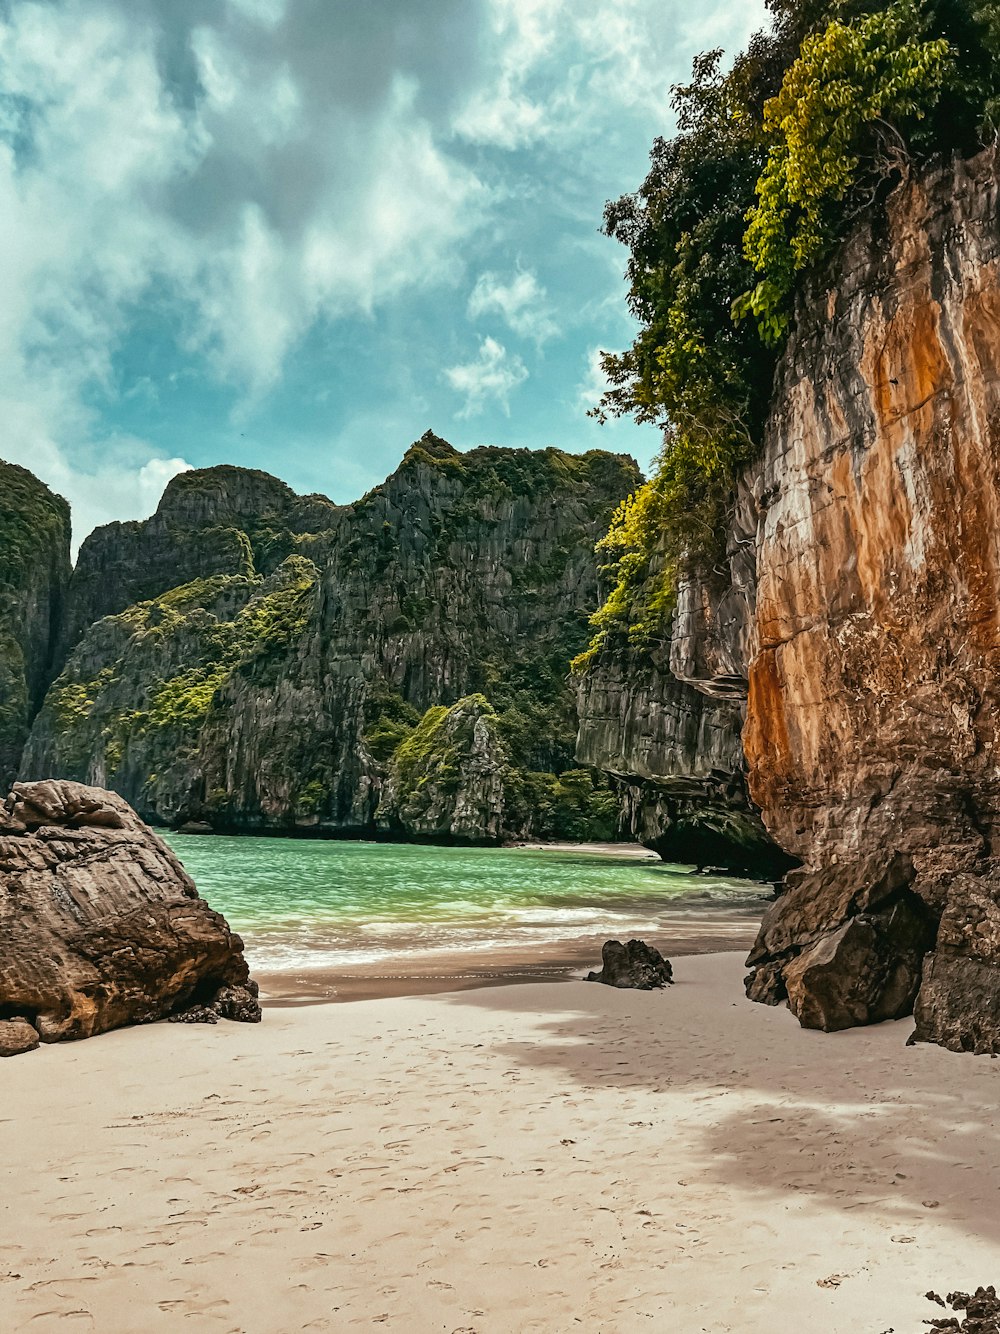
point(858, 1119)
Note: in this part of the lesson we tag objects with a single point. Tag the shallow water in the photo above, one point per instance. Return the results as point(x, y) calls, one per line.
point(318, 904)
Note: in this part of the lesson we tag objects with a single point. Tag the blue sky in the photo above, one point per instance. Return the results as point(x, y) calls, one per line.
point(294, 234)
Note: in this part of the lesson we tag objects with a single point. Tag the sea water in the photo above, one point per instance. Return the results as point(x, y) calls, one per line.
point(303, 903)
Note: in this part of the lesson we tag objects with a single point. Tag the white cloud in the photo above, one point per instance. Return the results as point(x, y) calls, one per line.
point(255, 206)
point(268, 13)
point(278, 165)
point(594, 383)
point(521, 302)
point(562, 65)
point(494, 375)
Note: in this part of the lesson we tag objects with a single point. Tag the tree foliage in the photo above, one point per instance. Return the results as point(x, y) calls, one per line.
point(836, 114)
point(771, 163)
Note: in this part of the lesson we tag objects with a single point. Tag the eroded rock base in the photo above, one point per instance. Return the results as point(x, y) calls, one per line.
point(844, 946)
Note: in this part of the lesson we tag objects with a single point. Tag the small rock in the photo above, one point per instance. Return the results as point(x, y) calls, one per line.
point(635, 965)
point(195, 827)
point(17, 1036)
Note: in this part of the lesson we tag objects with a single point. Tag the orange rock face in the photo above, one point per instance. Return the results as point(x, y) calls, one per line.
point(874, 696)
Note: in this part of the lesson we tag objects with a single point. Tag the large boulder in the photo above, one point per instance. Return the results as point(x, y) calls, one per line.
point(636, 965)
point(844, 945)
point(101, 925)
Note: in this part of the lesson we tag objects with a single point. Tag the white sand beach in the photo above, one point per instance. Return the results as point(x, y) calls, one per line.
point(525, 1158)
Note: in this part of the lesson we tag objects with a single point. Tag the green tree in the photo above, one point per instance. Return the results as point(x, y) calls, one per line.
point(833, 122)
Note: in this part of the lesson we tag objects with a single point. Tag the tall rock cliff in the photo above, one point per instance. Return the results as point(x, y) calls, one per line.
point(861, 607)
point(665, 719)
point(34, 572)
point(874, 697)
point(210, 521)
point(282, 651)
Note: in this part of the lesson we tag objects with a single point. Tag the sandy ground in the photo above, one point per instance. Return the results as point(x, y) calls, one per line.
point(536, 1158)
point(633, 850)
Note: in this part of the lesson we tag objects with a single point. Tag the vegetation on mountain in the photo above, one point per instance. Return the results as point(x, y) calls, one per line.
point(289, 697)
point(773, 160)
point(34, 568)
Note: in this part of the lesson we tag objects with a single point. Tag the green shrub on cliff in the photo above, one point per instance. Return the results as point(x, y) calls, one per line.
point(435, 749)
point(575, 806)
point(849, 89)
point(389, 720)
point(174, 655)
point(771, 163)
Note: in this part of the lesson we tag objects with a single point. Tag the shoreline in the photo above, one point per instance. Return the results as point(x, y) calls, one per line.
point(435, 973)
point(599, 847)
point(534, 1158)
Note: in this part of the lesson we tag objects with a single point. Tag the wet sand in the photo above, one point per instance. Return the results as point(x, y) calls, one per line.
point(599, 849)
point(431, 974)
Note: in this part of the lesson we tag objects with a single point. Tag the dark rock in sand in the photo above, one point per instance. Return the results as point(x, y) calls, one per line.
point(982, 1311)
point(101, 925)
point(635, 965)
point(17, 1036)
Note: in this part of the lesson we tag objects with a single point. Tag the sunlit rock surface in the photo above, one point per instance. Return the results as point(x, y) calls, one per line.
point(874, 699)
point(100, 924)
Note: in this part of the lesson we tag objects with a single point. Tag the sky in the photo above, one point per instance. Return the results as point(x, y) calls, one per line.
point(296, 234)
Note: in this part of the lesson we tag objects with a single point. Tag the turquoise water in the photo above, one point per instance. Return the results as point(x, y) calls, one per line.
point(309, 903)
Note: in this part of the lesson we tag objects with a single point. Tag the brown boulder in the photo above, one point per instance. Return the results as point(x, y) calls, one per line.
point(17, 1036)
point(635, 965)
point(101, 925)
point(863, 973)
point(844, 944)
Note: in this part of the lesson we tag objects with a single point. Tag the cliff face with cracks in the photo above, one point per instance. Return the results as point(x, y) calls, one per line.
point(862, 611)
point(666, 721)
point(258, 660)
point(874, 699)
point(34, 572)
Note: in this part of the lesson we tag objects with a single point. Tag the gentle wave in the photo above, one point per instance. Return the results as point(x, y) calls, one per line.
point(304, 905)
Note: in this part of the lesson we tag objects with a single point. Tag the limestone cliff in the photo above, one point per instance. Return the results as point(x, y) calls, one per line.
point(665, 719)
point(210, 521)
point(446, 780)
point(861, 606)
point(874, 698)
point(34, 571)
point(281, 651)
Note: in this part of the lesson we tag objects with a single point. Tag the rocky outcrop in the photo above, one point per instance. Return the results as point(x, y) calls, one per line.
point(635, 965)
point(209, 522)
point(861, 607)
point(958, 1005)
point(34, 572)
point(101, 926)
point(874, 702)
point(982, 1311)
point(446, 780)
point(666, 721)
point(266, 680)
